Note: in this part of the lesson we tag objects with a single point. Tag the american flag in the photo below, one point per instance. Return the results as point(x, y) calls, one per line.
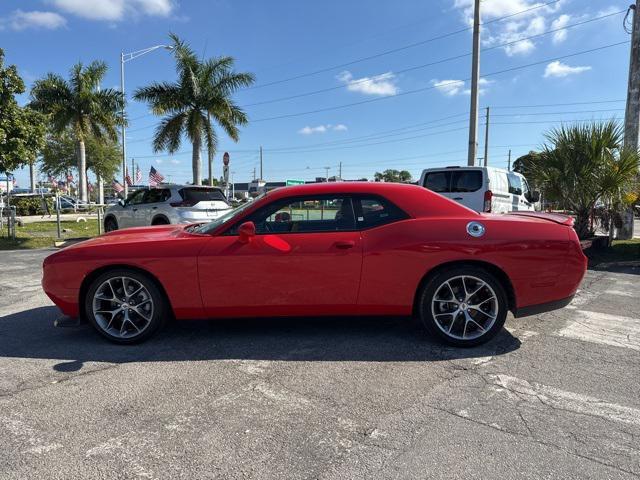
point(127, 178)
point(69, 177)
point(155, 177)
point(117, 186)
point(138, 175)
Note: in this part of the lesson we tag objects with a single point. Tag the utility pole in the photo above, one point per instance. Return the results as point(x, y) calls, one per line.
point(632, 112)
point(340, 171)
point(261, 162)
point(326, 177)
point(132, 174)
point(509, 161)
point(475, 79)
point(254, 173)
point(486, 140)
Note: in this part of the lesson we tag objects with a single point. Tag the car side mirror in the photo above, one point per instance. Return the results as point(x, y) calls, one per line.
point(534, 197)
point(246, 232)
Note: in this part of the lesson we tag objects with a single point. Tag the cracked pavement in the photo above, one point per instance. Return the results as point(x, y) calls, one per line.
point(553, 396)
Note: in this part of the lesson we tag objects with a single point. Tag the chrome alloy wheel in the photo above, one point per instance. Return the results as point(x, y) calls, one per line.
point(464, 307)
point(122, 307)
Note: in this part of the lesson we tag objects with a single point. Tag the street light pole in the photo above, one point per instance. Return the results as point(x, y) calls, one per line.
point(127, 57)
point(124, 139)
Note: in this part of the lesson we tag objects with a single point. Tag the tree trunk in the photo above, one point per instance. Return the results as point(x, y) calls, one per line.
point(82, 171)
point(32, 177)
point(582, 224)
point(197, 164)
point(100, 189)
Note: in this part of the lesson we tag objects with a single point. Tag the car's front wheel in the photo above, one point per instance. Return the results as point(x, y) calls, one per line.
point(125, 306)
point(463, 306)
point(110, 224)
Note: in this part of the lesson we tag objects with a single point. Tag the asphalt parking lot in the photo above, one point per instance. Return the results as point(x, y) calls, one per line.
point(554, 396)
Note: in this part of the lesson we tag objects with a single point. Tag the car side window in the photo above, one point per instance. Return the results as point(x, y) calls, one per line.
point(155, 195)
point(136, 198)
point(373, 212)
point(515, 185)
point(304, 215)
point(437, 181)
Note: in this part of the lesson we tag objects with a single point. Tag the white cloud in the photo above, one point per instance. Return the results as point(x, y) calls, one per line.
point(560, 22)
point(513, 30)
point(451, 88)
point(174, 161)
point(113, 10)
point(307, 130)
point(558, 69)
point(20, 20)
point(383, 84)
point(159, 161)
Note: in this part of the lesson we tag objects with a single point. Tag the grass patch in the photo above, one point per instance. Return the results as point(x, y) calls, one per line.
point(620, 251)
point(44, 234)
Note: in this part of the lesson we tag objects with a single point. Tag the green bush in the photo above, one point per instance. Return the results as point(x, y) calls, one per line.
point(30, 205)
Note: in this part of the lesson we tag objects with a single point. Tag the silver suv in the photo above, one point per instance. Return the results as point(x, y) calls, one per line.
point(166, 204)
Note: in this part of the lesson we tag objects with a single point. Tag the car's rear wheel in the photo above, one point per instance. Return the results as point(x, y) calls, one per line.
point(160, 221)
point(110, 224)
point(463, 306)
point(125, 306)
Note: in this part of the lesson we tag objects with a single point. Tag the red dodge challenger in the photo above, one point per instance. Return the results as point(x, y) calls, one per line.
point(325, 249)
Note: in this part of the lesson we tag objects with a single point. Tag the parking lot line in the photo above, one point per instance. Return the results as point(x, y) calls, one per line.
point(568, 401)
point(605, 329)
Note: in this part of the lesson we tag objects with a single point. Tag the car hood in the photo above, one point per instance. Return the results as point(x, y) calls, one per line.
point(133, 235)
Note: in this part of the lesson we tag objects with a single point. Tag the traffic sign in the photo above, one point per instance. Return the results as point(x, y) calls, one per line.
point(294, 182)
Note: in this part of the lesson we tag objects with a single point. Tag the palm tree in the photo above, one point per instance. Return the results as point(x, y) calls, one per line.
point(81, 106)
point(202, 93)
point(583, 164)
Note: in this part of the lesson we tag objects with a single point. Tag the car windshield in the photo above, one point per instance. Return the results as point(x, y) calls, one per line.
point(227, 217)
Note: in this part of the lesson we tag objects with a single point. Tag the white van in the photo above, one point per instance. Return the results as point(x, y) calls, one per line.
point(483, 189)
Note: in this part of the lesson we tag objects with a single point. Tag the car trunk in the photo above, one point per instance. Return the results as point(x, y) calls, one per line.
point(202, 200)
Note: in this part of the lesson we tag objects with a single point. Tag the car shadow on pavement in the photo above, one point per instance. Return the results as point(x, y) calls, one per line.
point(31, 334)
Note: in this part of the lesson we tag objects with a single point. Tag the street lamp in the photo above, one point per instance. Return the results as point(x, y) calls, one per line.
point(127, 57)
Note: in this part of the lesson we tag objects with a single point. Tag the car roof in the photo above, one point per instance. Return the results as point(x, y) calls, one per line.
point(415, 200)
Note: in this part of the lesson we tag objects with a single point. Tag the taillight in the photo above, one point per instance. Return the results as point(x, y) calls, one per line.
point(488, 195)
point(184, 203)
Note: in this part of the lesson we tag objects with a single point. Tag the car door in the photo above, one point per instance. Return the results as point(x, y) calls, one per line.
point(305, 259)
point(125, 216)
point(151, 206)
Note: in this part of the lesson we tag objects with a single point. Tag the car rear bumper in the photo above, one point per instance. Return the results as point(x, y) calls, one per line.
point(199, 216)
point(542, 307)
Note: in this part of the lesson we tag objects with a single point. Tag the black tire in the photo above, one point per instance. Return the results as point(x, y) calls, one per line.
point(110, 224)
point(160, 221)
point(496, 308)
point(157, 317)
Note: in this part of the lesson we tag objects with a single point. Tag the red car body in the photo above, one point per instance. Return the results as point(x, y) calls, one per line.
point(377, 271)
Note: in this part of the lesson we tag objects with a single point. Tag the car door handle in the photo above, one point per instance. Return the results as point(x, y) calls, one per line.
point(458, 198)
point(345, 244)
point(134, 209)
point(154, 208)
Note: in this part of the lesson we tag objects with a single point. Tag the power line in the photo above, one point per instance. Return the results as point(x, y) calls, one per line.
point(430, 64)
point(431, 87)
point(395, 50)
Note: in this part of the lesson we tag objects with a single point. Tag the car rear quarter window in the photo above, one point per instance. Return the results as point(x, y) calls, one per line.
point(196, 195)
point(375, 211)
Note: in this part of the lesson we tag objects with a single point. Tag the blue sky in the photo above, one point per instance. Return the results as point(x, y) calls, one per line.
point(387, 113)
